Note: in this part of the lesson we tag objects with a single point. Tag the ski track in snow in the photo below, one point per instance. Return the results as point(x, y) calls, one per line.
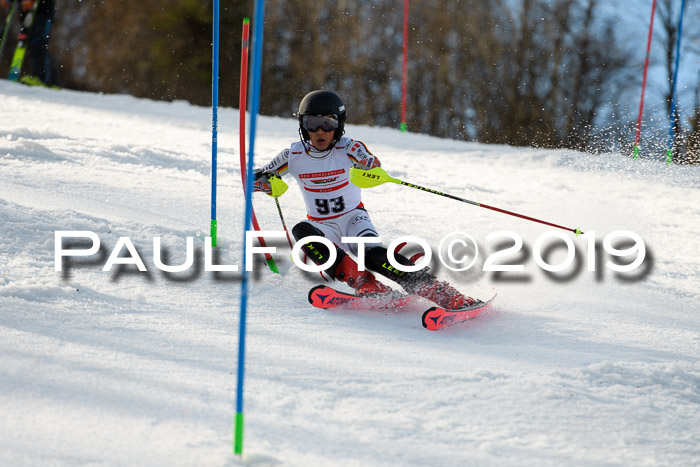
point(139, 368)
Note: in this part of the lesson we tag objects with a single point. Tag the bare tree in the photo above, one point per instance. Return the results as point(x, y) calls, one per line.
point(554, 74)
point(669, 14)
point(160, 49)
point(521, 72)
point(692, 155)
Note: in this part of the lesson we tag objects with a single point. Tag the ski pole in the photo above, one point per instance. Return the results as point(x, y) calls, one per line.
point(378, 176)
point(277, 188)
point(284, 224)
point(8, 20)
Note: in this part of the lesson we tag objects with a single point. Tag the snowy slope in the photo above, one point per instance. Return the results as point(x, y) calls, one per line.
point(139, 368)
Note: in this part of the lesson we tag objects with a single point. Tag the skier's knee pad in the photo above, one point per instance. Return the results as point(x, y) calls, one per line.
point(316, 251)
point(305, 229)
point(377, 260)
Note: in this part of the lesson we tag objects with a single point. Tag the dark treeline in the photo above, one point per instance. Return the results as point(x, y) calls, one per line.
point(521, 72)
point(482, 71)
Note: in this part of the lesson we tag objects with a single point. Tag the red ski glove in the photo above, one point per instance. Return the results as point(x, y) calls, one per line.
point(263, 184)
point(27, 4)
point(368, 163)
point(269, 183)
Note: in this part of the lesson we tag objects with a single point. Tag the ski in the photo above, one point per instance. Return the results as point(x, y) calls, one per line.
point(8, 23)
point(26, 22)
point(434, 318)
point(325, 297)
point(437, 317)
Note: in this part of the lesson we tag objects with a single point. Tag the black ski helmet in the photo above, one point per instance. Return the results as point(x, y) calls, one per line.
point(322, 103)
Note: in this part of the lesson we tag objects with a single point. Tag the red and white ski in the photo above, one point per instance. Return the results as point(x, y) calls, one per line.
point(436, 318)
point(323, 296)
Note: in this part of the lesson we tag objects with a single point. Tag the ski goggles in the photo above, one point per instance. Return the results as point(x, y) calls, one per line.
point(314, 122)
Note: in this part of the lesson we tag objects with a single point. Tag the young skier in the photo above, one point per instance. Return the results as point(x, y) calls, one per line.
point(321, 164)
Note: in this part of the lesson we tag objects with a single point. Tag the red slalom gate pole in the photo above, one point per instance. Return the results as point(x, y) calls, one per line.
point(644, 83)
point(242, 98)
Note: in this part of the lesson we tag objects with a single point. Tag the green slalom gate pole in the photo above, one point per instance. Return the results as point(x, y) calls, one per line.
point(378, 176)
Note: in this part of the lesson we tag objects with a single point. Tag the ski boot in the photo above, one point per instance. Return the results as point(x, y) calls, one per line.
point(443, 294)
point(420, 283)
point(364, 282)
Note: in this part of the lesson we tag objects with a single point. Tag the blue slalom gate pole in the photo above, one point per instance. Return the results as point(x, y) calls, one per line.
point(254, 106)
point(672, 114)
point(214, 121)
